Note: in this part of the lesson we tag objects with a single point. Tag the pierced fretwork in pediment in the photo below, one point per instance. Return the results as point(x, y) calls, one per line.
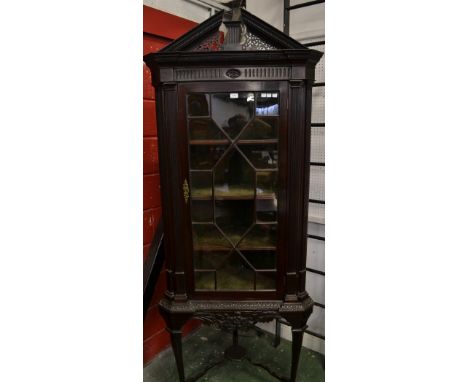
point(233, 31)
point(213, 42)
point(253, 42)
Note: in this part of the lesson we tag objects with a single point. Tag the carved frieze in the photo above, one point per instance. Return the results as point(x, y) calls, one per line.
point(231, 314)
point(239, 73)
point(235, 319)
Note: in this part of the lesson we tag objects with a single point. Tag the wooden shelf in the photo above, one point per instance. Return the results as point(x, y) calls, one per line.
point(257, 141)
point(209, 142)
point(233, 194)
point(213, 248)
point(221, 142)
point(235, 197)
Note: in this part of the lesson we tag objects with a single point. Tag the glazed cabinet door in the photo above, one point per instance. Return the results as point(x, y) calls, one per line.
point(234, 140)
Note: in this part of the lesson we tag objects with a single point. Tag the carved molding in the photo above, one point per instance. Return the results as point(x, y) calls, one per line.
point(237, 319)
point(198, 74)
point(306, 304)
point(199, 306)
point(239, 73)
point(234, 305)
point(241, 314)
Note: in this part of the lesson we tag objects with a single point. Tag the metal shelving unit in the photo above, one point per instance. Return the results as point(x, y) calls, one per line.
point(287, 16)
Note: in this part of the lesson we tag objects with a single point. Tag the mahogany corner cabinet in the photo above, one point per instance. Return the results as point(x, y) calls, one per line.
point(233, 114)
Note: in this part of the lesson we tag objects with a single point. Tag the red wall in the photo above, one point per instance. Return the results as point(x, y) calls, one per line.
point(159, 28)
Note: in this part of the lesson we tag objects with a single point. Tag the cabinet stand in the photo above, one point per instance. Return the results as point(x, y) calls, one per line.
point(235, 352)
point(229, 316)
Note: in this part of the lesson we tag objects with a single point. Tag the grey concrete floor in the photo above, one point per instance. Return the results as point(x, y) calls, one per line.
point(204, 360)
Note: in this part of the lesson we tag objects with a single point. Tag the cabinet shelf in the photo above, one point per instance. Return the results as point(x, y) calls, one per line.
point(236, 197)
point(217, 248)
point(209, 142)
point(235, 193)
point(256, 141)
point(221, 142)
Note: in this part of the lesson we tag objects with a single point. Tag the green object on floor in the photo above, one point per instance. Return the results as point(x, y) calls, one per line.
point(205, 348)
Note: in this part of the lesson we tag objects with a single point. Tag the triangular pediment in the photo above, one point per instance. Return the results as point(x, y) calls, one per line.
point(253, 34)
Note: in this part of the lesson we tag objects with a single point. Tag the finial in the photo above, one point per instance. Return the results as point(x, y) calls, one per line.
point(233, 22)
point(235, 4)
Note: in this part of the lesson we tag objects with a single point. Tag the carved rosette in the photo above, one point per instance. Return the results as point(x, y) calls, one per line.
point(233, 73)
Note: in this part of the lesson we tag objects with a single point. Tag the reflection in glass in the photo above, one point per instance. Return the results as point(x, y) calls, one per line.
point(204, 129)
point(262, 156)
point(198, 105)
point(267, 182)
point(234, 176)
point(266, 210)
point(261, 128)
point(267, 104)
point(232, 111)
point(204, 157)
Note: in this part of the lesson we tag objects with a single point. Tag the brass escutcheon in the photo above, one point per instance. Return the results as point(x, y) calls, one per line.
point(186, 190)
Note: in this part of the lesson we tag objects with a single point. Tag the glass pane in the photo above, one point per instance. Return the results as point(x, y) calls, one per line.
point(234, 217)
point(210, 259)
point(267, 104)
point(202, 211)
point(204, 157)
point(204, 129)
point(261, 259)
point(204, 280)
point(266, 280)
point(262, 156)
point(207, 237)
point(234, 177)
point(262, 236)
point(198, 105)
point(235, 274)
point(261, 128)
point(201, 184)
point(267, 183)
point(233, 151)
point(266, 210)
point(232, 111)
